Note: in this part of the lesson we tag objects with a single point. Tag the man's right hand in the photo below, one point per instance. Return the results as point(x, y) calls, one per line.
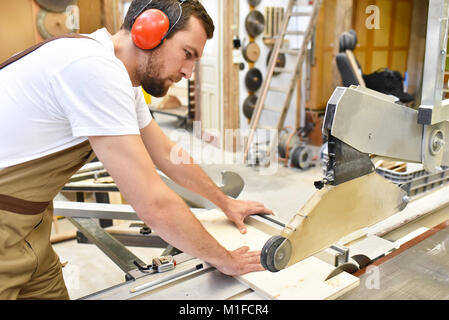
point(241, 261)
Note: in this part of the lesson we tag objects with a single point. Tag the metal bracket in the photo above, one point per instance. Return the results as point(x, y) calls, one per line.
point(433, 142)
point(116, 251)
point(434, 113)
point(432, 110)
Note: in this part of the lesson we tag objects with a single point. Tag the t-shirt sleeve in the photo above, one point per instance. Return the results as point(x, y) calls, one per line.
point(143, 112)
point(97, 97)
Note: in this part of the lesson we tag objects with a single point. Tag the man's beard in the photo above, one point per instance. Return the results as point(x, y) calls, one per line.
point(150, 79)
point(154, 86)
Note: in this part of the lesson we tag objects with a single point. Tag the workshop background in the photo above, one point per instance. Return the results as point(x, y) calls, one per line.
point(398, 44)
point(370, 35)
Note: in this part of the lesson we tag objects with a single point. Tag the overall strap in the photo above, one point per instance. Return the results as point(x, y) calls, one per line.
point(23, 53)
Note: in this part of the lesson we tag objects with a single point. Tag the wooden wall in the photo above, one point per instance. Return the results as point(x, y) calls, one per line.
point(90, 15)
point(321, 77)
point(18, 29)
point(387, 46)
point(231, 111)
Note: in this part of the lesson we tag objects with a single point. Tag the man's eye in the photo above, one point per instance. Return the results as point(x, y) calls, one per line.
point(188, 54)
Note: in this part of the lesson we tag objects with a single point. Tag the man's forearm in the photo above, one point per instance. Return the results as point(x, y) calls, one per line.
point(175, 223)
point(154, 202)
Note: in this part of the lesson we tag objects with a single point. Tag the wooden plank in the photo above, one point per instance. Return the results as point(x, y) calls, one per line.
point(320, 77)
point(231, 110)
point(355, 68)
point(343, 22)
point(304, 280)
point(336, 211)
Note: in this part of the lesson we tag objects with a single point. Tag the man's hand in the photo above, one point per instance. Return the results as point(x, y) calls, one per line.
point(238, 210)
point(241, 261)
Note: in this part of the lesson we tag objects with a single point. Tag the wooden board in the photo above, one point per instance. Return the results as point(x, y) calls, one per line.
point(355, 68)
point(304, 280)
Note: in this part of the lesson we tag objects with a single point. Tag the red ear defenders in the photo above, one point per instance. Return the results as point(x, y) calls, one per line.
point(151, 27)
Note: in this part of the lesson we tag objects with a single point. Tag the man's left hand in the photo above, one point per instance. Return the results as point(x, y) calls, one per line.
point(238, 210)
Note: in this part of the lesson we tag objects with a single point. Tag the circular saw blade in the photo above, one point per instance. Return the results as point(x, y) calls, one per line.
point(254, 23)
point(254, 3)
point(253, 79)
point(249, 105)
point(280, 61)
point(251, 52)
point(55, 5)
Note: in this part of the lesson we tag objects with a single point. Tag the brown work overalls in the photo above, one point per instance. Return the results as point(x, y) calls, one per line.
point(29, 267)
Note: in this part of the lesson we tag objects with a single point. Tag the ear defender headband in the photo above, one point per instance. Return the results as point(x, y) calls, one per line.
point(151, 27)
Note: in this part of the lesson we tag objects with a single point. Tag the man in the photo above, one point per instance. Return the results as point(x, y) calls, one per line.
point(72, 95)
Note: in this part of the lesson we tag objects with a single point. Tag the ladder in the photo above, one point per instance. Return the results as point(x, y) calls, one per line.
point(300, 55)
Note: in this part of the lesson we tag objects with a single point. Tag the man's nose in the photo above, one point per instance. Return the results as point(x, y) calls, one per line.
point(187, 69)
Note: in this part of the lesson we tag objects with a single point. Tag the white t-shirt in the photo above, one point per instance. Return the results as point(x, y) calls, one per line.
point(65, 91)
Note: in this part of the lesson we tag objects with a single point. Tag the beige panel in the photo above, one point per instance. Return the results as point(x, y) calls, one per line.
point(382, 35)
point(402, 23)
point(16, 27)
point(336, 211)
point(380, 60)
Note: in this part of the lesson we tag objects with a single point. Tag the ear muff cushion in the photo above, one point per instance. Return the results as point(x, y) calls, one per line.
point(149, 29)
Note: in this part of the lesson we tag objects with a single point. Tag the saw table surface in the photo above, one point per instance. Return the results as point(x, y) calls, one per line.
point(418, 270)
point(304, 280)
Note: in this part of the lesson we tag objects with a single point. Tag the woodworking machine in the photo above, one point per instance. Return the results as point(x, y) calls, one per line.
point(360, 122)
